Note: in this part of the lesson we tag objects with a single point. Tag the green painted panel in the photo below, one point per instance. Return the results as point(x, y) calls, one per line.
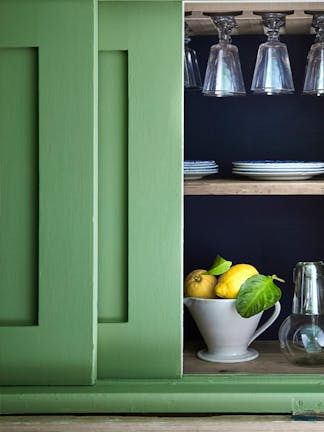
point(149, 344)
point(19, 186)
point(131, 1)
point(190, 394)
point(113, 187)
point(61, 349)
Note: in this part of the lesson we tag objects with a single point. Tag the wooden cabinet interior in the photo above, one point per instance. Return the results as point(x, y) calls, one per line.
point(271, 225)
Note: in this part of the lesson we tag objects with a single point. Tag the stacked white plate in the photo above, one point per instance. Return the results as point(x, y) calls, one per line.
point(197, 169)
point(278, 170)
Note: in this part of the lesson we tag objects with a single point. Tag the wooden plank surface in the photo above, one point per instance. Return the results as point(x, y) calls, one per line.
point(220, 423)
point(270, 361)
point(248, 6)
point(248, 23)
point(251, 187)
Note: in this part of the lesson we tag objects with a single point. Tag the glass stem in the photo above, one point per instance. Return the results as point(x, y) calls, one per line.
point(273, 34)
point(224, 25)
point(223, 35)
point(320, 35)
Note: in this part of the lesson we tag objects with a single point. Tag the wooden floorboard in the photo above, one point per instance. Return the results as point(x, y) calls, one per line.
point(219, 423)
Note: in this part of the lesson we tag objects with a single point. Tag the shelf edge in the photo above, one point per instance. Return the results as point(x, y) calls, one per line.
point(250, 187)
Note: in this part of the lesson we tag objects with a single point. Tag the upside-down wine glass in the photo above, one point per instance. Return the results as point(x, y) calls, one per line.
point(192, 78)
point(314, 76)
point(272, 73)
point(223, 74)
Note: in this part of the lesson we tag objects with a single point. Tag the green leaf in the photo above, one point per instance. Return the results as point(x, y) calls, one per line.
point(219, 266)
point(258, 293)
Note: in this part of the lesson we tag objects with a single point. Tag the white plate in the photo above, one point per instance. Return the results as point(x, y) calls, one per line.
point(277, 164)
point(279, 170)
point(276, 168)
point(197, 162)
point(200, 166)
point(210, 170)
point(197, 176)
point(278, 176)
point(214, 171)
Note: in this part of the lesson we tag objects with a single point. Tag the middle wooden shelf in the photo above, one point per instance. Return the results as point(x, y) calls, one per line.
point(253, 187)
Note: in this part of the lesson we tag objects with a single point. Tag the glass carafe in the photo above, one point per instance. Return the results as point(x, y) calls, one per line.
point(301, 335)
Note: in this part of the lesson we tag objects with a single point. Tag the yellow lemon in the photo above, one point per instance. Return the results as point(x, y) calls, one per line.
point(199, 285)
point(230, 282)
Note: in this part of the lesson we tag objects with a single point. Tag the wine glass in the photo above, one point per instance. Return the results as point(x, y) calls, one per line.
point(192, 78)
point(314, 76)
point(272, 73)
point(223, 74)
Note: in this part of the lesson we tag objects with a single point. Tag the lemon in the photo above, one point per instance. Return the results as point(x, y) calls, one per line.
point(199, 285)
point(230, 282)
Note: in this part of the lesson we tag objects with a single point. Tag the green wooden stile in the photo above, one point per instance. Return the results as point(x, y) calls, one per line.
point(47, 200)
point(140, 189)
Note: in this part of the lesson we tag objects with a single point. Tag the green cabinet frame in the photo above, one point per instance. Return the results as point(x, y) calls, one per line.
point(139, 221)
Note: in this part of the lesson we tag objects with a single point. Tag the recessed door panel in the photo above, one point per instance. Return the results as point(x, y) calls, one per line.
point(19, 186)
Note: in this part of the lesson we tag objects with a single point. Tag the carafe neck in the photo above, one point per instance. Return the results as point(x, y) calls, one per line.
point(309, 288)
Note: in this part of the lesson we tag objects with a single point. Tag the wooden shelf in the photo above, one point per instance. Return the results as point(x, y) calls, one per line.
point(252, 187)
point(248, 23)
point(270, 361)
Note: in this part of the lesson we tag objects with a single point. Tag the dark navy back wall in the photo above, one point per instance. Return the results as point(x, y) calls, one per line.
point(273, 233)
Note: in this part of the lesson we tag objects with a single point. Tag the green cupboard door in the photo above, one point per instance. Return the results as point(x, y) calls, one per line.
point(140, 189)
point(47, 255)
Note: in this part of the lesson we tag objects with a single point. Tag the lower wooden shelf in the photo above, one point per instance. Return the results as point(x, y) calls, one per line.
point(253, 187)
point(270, 361)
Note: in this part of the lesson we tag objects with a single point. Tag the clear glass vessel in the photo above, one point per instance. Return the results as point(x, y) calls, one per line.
point(272, 73)
point(314, 76)
point(223, 74)
point(192, 78)
point(301, 335)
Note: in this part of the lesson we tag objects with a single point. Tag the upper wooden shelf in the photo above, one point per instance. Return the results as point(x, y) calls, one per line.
point(253, 187)
point(248, 23)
